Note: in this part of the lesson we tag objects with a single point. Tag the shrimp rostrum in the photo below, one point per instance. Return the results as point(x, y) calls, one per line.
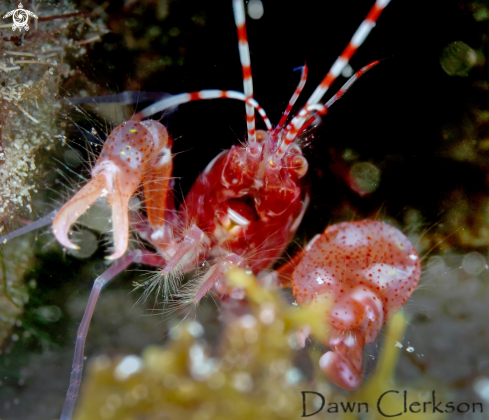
point(243, 210)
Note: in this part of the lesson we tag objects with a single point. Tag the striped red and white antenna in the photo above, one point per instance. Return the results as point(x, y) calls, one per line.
point(254, 148)
point(312, 111)
point(338, 66)
point(183, 98)
point(291, 103)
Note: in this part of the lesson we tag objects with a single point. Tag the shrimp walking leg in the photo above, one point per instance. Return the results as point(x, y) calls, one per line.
point(43, 221)
point(81, 336)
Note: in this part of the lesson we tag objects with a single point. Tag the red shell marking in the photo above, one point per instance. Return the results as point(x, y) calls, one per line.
point(363, 272)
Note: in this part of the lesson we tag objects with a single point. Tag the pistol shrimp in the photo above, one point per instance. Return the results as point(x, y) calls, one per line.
point(244, 210)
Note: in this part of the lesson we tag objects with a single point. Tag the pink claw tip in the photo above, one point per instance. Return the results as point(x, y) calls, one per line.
point(340, 371)
point(119, 252)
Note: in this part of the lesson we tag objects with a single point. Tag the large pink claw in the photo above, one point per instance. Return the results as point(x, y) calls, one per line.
point(124, 161)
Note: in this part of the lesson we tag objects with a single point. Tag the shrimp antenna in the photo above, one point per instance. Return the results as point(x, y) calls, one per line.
point(338, 95)
point(43, 221)
point(322, 109)
point(360, 35)
point(254, 148)
point(292, 101)
point(184, 98)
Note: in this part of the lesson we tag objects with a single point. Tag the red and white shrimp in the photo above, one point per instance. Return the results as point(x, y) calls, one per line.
point(243, 210)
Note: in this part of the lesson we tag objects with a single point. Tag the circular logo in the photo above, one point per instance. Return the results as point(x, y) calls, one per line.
point(20, 18)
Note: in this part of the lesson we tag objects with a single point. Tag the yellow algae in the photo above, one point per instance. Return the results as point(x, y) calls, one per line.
point(251, 374)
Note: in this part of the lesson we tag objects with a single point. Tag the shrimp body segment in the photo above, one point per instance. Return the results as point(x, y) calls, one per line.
point(250, 217)
point(363, 272)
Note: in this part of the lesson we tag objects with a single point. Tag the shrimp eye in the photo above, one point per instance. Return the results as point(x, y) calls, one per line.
point(261, 136)
point(299, 165)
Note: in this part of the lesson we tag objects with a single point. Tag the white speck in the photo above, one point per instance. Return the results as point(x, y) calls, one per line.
point(267, 315)
point(293, 375)
point(157, 234)
point(249, 272)
point(255, 9)
point(319, 280)
point(201, 367)
point(128, 366)
point(347, 71)
point(248, 321)
point(243, 382)
point(399, 345)
point(104, 193)
point(413, 257)
point(481, 386)
point(410, 349)
point(195, 329)
point(234, 181)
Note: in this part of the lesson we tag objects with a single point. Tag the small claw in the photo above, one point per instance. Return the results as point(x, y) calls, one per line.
point(340, 371)
point(344, 365)
point(74, 208)
point(373, 318)
point(117, 175)
point(120, 223)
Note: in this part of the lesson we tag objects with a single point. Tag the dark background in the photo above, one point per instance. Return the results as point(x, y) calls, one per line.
point(406, 116)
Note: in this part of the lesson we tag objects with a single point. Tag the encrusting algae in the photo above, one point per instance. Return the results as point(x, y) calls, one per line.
point(36, 68)
point(14, 263)
point(251, 375)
